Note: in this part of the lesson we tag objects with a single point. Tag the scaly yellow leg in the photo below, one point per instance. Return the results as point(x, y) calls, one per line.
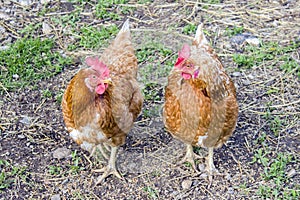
point(110, 168)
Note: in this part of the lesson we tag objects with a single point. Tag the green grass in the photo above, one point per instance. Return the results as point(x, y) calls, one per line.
point(211, 1)
point(275, 174)
point(151, 92)
point(54, 170)
point(152, 193)
point(270, 54)
point(275, 122)
point(75, 167)
point(144, 1)
point(93, 38)
point(152, 111)
point(29, 61)
point(156, 62)
point(106, 9)
point(9, 174)
point(234, 30)
point(46, 93)
point(189, 29)
point(161, 58)
point(30, 29)
point(276, 184)
point(59, 96)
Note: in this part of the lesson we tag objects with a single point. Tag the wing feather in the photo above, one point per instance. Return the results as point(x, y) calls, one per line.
point(67, 105)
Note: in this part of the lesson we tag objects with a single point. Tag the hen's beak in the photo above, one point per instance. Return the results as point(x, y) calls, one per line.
point(195, 73)
point(108, 81)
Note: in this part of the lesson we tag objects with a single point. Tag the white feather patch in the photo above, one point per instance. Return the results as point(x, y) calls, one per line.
point(87, 146)
point(89, 132)
point(201, 140)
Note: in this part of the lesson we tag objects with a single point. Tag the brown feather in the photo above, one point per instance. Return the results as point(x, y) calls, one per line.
point(117, 108)
point(204, 106)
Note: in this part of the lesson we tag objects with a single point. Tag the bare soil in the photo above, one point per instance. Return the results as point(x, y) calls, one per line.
point(32, 128)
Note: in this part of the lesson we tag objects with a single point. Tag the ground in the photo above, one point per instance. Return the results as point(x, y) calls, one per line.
point(42, 44)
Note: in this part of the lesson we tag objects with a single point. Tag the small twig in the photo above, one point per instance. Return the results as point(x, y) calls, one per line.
point(167, 5)
point(237, 162)
point(5, 90)
point(208, 4)
point(8, 28)
point(43, 101)
point(58, 13)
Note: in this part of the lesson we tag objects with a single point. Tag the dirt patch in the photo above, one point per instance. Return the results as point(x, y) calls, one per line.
point(31, 126)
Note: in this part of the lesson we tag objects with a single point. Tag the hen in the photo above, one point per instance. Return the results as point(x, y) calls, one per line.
point(102, 101)
point(200, 101)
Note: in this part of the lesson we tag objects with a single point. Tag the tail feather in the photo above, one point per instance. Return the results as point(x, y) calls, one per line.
point(125, 26)
point(200, 38)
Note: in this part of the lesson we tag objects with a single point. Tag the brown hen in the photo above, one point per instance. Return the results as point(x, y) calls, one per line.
point(102, 101)
point(200, 100)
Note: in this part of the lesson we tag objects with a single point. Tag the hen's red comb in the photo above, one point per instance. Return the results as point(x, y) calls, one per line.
point(185, 51)
point(183, 54)
point(97, 65)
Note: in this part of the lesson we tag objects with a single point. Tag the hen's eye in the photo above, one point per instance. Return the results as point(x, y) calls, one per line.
point(188, 65)
point(93, 76)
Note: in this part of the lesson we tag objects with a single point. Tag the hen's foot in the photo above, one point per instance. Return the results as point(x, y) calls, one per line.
point(107, 170)
point(190, 157)
point(210, 167)
point(110, 168)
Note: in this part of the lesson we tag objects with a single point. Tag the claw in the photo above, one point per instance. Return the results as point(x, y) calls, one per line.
point(190, 157)
point(110, 169)
point(106, 172)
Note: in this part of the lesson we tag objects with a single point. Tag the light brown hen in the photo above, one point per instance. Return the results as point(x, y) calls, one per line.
point(102, 101)
point(200, 107)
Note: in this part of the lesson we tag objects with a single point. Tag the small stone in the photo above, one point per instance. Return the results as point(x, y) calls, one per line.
point(201, 167)
point(230, 190)
point(291, 173)
point(46, 28)
point(203, 176)
point(253, 41)
point(3, 48)
point(26, 120)
point(236, 74)
point(25, 2)
point(4, 16)
point(247, 82)
point(244, 37)
point(55, 197)
point(227, 177)
point(186, 184)
point(15, 76)
point(61, 153)
point(250, 76)
point(21, 136)
point(65, 181)
point(45, 1)
point(2, 29)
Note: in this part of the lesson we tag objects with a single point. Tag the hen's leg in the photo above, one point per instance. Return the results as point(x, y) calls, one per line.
point(110, 168)
point(190, 157)
point(103, 152)
point(210, 168)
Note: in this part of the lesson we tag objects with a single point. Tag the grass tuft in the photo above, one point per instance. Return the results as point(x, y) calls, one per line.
point(271, 54)
point(93, 38)
point(9, 174)
point(28, 61)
